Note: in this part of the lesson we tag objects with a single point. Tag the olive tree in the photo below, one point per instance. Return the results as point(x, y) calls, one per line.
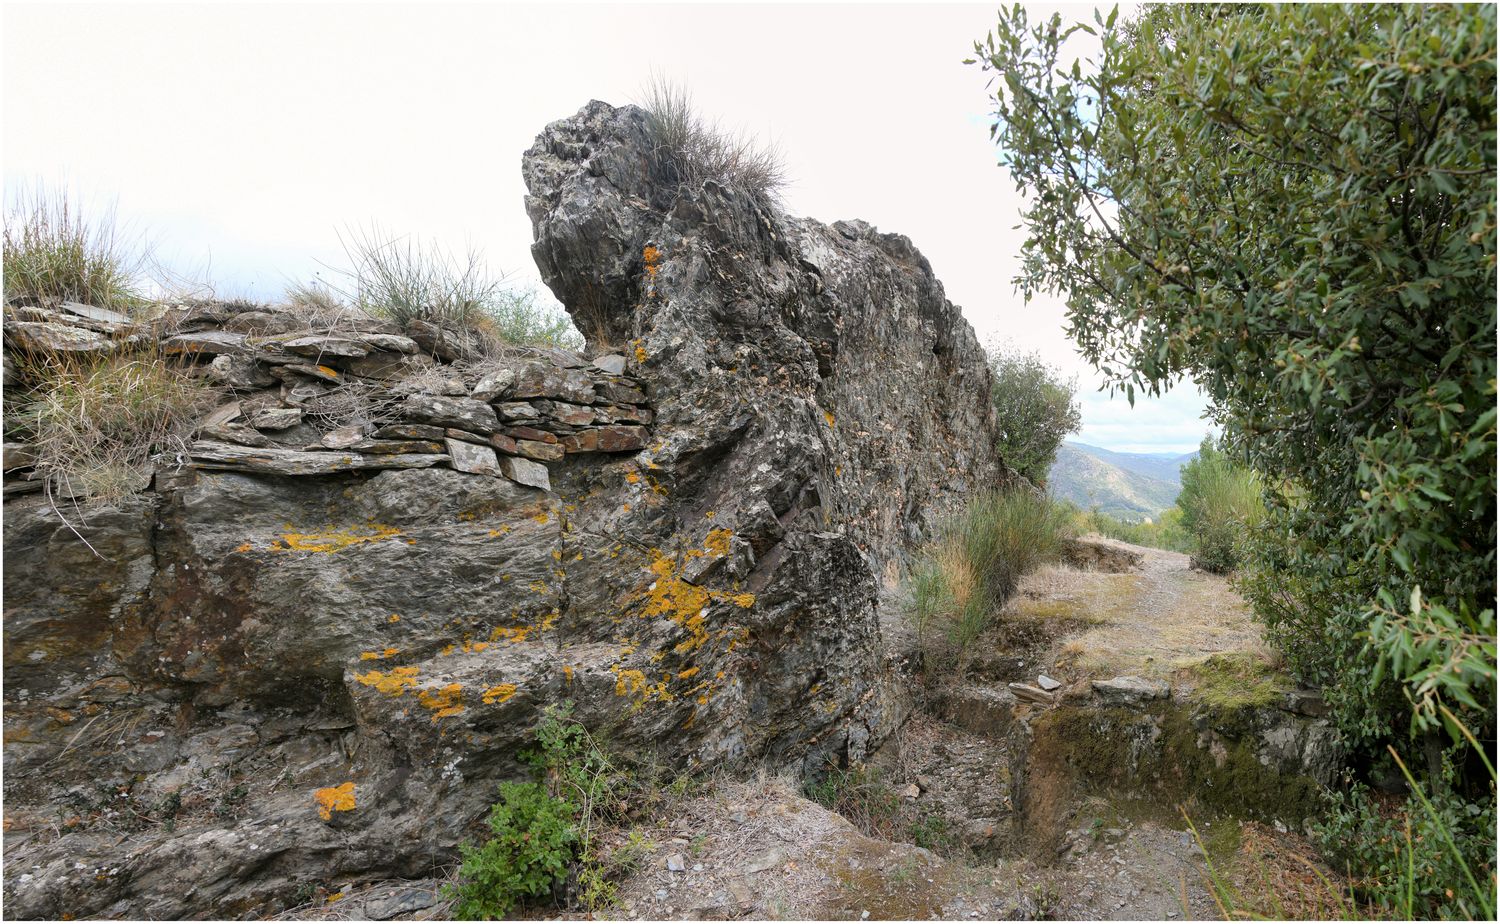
point(1035, 407)
point(1295, 205)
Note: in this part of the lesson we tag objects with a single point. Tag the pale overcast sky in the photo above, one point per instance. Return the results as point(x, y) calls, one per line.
point(243, 136)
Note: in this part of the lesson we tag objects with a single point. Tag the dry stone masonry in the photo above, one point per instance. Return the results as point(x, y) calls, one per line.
point(312, 647)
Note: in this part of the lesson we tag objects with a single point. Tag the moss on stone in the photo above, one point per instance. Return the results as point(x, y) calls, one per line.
point(1235, 680)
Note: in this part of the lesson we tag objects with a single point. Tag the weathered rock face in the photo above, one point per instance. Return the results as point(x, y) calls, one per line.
point(310, 651)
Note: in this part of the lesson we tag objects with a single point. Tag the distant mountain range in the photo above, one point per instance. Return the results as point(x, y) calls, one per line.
point(1128, 485)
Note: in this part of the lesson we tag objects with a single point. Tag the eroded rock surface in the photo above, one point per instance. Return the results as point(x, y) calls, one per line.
point(292, 663)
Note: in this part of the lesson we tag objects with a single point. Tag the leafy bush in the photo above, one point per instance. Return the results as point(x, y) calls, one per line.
point(1425, 858)
point(94, 424)
point(689, 151)
point(52, 252)
point(1221, 505)
point(529, 854)
point(523, 317)
point(1296, 204)
point(1035, 407)
point(959, 582)
point(547, 832)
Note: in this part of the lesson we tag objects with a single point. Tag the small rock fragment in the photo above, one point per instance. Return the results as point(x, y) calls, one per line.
point(477, 460)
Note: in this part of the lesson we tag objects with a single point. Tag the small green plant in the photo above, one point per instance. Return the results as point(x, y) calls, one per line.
point(1431, 856)
point(54, 253)
point(931, 831)
point(960, 581)
point(524, 317)
point(861, 796)
point(530, 852)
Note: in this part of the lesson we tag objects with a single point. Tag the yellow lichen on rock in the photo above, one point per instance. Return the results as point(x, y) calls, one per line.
point(379, 655)
point(332, 799)
point(498, 693)
point(392, 683)
point(334, 540)
point(717, 542)
point(444, 702)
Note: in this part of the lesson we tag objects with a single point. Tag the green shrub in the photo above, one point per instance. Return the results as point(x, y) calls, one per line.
point(523, 317)
point(94, 424)
point(52, 252)
point(529, 854)
point(1035, 408)
point(1221, 505)
point(960, 581)
point(1229, 192)
point(1421, 858)
point(687, 150)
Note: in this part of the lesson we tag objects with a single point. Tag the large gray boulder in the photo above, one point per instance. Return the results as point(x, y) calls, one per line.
point(310, 669)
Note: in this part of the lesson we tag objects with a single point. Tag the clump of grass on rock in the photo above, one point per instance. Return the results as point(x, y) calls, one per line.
point(690, 150)
point(407, 281)
point(94, 424)
point(54, 253)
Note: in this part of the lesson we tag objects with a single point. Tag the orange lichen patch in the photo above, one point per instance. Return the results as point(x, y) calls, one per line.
point(690, 672)
point(709, 515)
point(557, 554)
point(496, 533)
point(514, 634)
point(244, 547)
point(633, 477)
point(379, 655)
point(394, 617)
point(634, 683)
point(683, 603)
point(568, 673)
point(392, 683)
point(625, 508)
point(444, 702)
point(743, 601)
point(334, 540)
point(652, 256)
point(334, 897)
point(828, 416)
point(539, 587)
point(498, 693)
point(328, 370)
point(332, 799)
point(542, 517)
point(640, 353)
point(717, 542)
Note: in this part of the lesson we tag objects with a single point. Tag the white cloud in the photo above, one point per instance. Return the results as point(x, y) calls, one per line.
point(248, 134)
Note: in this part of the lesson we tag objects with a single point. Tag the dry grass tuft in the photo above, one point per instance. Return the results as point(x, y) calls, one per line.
point(690, 150)
point(95, 424)
point(52, 252)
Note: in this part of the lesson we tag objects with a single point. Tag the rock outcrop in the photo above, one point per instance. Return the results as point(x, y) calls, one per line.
point(309, 651)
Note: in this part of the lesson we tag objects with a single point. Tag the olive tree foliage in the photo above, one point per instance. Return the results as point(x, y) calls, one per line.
point(1035, 407)
point(1295, 205)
